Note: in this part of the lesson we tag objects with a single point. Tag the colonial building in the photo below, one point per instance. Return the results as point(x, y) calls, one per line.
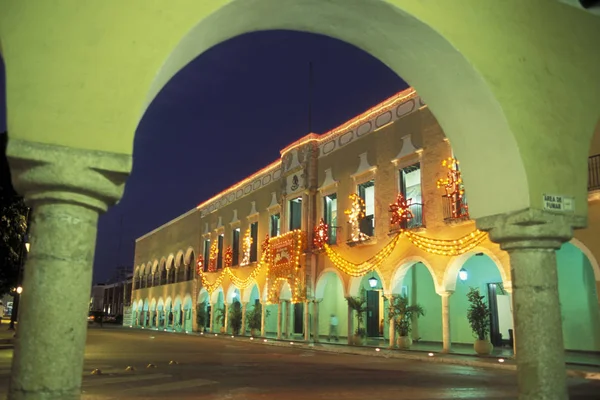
point(374, 209)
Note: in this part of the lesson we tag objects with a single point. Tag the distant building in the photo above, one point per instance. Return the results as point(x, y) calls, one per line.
point(97, 298)
point(116, 296)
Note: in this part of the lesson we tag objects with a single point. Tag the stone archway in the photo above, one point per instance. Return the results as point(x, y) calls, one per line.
point(415, 279)
point(471, 115)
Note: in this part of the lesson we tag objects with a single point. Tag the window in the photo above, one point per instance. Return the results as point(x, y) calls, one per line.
point(295, 213)
point(206, 254)
point(254, 246)
point(366, 191)
point(235, 243)
point(220, 252)
point(275, 225)
point(410, 187)
point(330, 216)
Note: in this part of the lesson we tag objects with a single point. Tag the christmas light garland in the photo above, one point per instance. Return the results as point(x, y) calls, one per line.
point(454, 188)
point(246, 248)
point(355, 214)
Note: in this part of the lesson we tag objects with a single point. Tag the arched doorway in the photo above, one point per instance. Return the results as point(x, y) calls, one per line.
point(478, 269)
point(168, 313)
point(253, 317)
point(414, 280)
point(187, 316)
point(177, 314)
point(153, 319)
point(203, 310)
point(370, 288)
point(578, 299)
point(331, 297)
point(160, 307)
point(218, 310)
point(146, 314)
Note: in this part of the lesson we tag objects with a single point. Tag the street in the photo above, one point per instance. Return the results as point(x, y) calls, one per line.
point(224, 368)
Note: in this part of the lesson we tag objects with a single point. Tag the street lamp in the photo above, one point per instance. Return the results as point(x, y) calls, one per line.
point(19, 290)
point(463, 274)
point(373, 282)
point(27, 246)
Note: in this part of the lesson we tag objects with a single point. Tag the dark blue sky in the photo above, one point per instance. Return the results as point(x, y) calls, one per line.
point(226, 115)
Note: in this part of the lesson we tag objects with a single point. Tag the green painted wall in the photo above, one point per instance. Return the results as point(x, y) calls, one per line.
point(578, 299)
point(333, 303)
point(422, 291)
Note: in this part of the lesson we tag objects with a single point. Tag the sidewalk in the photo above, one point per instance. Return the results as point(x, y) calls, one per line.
point(584, 365)
point(6, 336)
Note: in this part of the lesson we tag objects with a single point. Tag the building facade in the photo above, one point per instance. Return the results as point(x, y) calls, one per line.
point(374, 209)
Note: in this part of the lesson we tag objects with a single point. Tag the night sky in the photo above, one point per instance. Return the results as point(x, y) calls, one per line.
point(226, 115)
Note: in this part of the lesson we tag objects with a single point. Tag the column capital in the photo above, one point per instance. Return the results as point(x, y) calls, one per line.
point(445, 293)
point(531, 229)
point(46, 173)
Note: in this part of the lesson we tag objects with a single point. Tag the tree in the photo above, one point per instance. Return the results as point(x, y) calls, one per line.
point(13, 225)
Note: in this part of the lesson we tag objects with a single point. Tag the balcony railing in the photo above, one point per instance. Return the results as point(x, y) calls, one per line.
point(449, 204)
point(594, 172)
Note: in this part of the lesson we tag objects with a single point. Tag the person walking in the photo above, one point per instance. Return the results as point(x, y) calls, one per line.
point(333, 328)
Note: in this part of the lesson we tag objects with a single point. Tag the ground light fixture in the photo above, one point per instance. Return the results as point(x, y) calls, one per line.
point(430, 354)
point(501, 360)
point(373, 282)
point(463, 274)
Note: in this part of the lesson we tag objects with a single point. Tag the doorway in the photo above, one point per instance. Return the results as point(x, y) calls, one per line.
point(372, 313)
point(501, 318)
point(298, 317)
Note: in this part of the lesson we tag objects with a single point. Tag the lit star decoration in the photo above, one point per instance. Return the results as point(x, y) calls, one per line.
point(246, 246)
point(453, 185)
point(200, 265)
point(228, 257)
point(355, 214)
point(400, 210)
point(320, 236)
point(212, 259)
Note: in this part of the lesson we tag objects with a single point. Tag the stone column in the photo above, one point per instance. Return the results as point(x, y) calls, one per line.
point(226, 319)
point(391, 327)
point(211, 320)
point(306, 321)
point(279, 311)
point(446, 338)
point(350, 325)
point(316, 320)
point(263, 319)
point(243, 330)
point(289, 319)
point(67, 190)
point(531, 237)
point(157, 319)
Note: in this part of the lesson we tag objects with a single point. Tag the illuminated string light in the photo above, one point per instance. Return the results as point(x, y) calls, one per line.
point(228, 257)
point(212, 258)
point(454, 188)
point(199, 265)
point(246, 248)
point(320, 236)
point(400, 210)
point(355, 214)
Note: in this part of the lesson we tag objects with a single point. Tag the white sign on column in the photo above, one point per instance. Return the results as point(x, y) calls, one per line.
point(558, 203)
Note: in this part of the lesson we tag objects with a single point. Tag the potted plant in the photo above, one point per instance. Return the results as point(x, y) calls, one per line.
point(358, 304)
point(254, 319)
point(401, 315)
point(220, 318)
point(479, 319)
point(201, 316)
point(235, 317)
